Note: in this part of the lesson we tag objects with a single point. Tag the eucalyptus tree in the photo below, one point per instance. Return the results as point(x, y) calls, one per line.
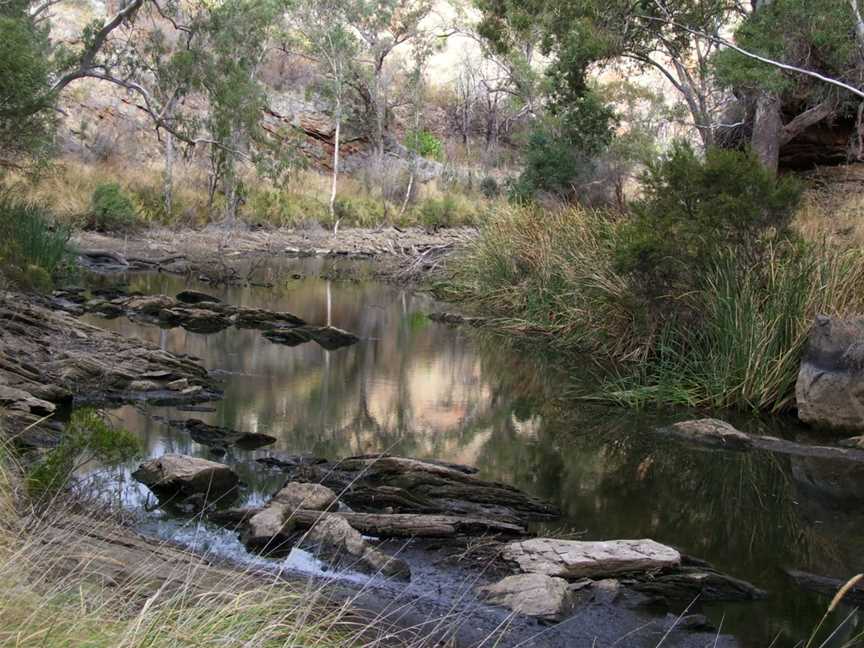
point(327, 38)
point(649, 34)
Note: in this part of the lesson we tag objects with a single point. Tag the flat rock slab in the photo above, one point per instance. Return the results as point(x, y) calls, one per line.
point(536, 595)
point(578, 559)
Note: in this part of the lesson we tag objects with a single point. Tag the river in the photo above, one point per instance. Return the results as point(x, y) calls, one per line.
point(417, 388)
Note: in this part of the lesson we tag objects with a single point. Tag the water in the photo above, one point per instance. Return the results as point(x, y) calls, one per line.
point(422, 389)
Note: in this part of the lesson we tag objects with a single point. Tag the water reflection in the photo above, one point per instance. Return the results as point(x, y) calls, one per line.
point(417, 388)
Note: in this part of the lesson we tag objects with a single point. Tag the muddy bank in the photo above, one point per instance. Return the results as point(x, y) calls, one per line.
point(400, 255)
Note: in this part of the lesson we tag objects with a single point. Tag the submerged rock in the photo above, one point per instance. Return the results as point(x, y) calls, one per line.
point(289, 337)
point(258, 318)
point(177, 477)
point(712, 432)
point(537, 595)
point(330, 337)
point(215, 436)
point(830, 386)
point(579, 559)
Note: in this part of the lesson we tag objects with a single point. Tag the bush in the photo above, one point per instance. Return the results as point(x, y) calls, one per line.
point(111, 209)
point(489, 187)
point(693, 208)
point(425, 144)
point(32, 246)
point(87, 437)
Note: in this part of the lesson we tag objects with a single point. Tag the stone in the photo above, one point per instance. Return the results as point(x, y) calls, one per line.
point(215, 436)
point(289, 337)
point(196, 297)
point(338, 542)
point(712, 432)
point(178, 385)
point(144, 386)
point(180, 476)
point(257, 318)
point(12, 398)
point(269, 531)
point(151, 305)
point(536, 595)
point(297, 495)
point(830, 387)
point(330, 337)
point(580, 559)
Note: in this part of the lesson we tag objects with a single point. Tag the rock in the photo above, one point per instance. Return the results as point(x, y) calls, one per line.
point(199, 320)
point(712, 432)
point(107, 310)
point(102, 259)
point(830, 386)
point(144, 386)
point(269, 531)
point(296, 495)
point(338, 542)
point(578, 559)
point(178, 385)
point(853, 442)
point(289, 337)
point(12, 398)
point(220, 437)
point(151, 305)
point(174, 476)
point(536, 595)
point(195, 297)
point(330, 337)
point(258, 318)
point(687, 583)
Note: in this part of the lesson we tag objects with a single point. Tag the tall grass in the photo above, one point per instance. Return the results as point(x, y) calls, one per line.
point(739, 346)
point(32, 246)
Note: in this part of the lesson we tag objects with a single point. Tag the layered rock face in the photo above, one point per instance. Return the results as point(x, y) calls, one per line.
point(830, 387)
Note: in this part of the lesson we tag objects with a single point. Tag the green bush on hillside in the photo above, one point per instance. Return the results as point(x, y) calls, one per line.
point(111, 209)
point(425, 144)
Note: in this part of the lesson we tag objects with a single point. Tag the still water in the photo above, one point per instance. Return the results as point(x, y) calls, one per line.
point(417, 388)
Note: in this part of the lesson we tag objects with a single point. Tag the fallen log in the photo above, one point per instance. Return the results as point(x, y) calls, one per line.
point(827, 586)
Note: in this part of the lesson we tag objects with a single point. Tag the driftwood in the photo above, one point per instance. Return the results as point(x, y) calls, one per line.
point(383, 483)
point(827, 586)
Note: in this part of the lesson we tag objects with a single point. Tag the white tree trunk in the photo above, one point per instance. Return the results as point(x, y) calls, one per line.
point(335, 183)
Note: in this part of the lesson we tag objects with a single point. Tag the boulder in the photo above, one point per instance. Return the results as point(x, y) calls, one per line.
point(257, 318)
point(12, 398)
point(297, 495)
point(151, 305)
point(195, 297)
point(330, 337)
point(711, 432)
point(215, 436)
point(269, 531)
point(289, 337)
point(174, 476)
point(336, 541)
point(536, 595)
point(830, 386)
point(578, 559)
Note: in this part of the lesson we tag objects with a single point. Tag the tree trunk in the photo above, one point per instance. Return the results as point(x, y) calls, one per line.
point(335, 182)
point(767, 128)
point(168, 176)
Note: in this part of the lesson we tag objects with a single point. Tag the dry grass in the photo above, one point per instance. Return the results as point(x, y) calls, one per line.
point(833, 207)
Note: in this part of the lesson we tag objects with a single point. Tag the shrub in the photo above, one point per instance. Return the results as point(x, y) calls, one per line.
point(693, 208)
point(87, 437)
point(111, 209)
point(32, 246)
point(489, 187)
point(425, 144)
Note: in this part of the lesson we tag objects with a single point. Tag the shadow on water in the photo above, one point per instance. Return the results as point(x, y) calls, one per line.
point(422, 389)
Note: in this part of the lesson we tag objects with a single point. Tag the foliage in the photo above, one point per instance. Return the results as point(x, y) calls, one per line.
point(562, 149)
point(87, 437)
point(26, 113)
point(111, 209)
point(693, 208)
point(425, 144)
point(32, 247)
point(489, 187)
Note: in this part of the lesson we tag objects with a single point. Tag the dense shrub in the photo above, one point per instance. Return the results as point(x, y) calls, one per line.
point(425, 144)
point(32, 246)
point(562, 149)
point(489, 187)
point(694, 208)
point(87, 437)
point(111, 209)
